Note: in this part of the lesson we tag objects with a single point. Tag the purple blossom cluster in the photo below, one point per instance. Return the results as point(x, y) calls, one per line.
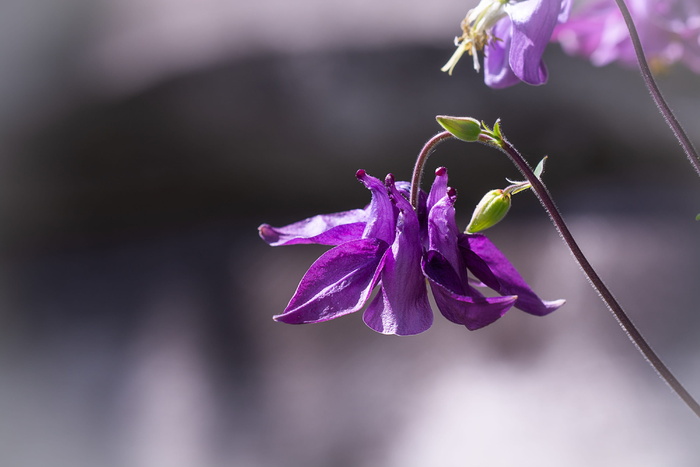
point(391, 246)
point(520, 39)
point(513, 36)
point(668, 29)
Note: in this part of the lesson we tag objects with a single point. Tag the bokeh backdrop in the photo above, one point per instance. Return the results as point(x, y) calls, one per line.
point(143, 141)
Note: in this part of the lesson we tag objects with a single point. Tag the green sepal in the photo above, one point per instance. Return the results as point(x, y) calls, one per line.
point(497, 129)
point(464, 128)
point(518, 186)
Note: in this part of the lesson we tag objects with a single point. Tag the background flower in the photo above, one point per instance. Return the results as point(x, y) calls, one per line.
point(522, 37)
point(668, 29)
point(513, 36)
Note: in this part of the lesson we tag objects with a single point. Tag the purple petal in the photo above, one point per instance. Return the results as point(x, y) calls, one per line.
point(533, 22)
point(491, 266)
point(564, 11)
point(497, 72)
point(405, 188)
point(381, 215)
point(443, 233)
point(598, 32)
point(402, 305)
point(444, 267)
point(338, 283)
point(473, 310)
point(438, 190)
point(324, 229)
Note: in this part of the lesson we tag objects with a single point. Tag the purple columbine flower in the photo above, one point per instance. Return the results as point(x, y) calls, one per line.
point(380, 243)
point(513, 35)
point(668, 29)
point(391, 245)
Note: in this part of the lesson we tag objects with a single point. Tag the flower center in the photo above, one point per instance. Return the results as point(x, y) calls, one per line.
point(476, 32)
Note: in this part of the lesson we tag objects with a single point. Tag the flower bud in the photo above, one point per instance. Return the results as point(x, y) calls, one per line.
point(464, 128)
point(491, 209)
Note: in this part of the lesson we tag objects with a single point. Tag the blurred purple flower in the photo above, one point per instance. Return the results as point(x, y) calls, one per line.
point(391, 244)
point(668, 29)
point(513, 35)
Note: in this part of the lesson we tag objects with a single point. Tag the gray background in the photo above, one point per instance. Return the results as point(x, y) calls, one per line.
point(142, 143)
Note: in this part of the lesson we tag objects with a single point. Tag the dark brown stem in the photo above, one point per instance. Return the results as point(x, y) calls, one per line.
point(596, 282)
point(656, 95)
point(420, 163)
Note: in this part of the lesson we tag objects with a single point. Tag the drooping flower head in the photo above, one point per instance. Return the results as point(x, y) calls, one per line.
point(668, 29)
point(389, 246)
point(512, 35)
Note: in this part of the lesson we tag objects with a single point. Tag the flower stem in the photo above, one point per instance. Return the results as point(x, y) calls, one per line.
point(596, 282)
point(420, 163)
point(656, 95)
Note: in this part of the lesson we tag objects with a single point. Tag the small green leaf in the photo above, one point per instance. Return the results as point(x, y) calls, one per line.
point(464, 128)
point(539, 170)
point(697, 218)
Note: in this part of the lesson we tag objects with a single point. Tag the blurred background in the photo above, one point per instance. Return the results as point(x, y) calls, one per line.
point(143, 141)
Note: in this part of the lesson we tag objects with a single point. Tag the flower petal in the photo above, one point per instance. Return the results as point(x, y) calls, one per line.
point(324, 229)
point(473, 310)
point(438, 189)
point(491, 266)
point(402, 305)
point(381, 214)
point(533, 23)
point(497, 72)
point(338, 283)
point(376, 220)
point(405, 188)
point(564, 11)
point(444, 266)
point(443, 233)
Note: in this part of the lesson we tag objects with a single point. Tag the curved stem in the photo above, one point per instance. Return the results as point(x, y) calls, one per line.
point(656, 95)
point(632, 332)
point(420, 163)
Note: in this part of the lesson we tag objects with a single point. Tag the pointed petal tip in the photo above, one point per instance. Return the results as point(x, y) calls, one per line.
point(541, 308)
point(553, 305)
point(282, 318)
point(288, 318)
point(294, 317)
point(506, 302)
point(440, 171)
point(267, 233)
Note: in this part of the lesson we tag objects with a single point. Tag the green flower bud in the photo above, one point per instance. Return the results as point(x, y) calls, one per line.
point(491, 209)
point(464, 128)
